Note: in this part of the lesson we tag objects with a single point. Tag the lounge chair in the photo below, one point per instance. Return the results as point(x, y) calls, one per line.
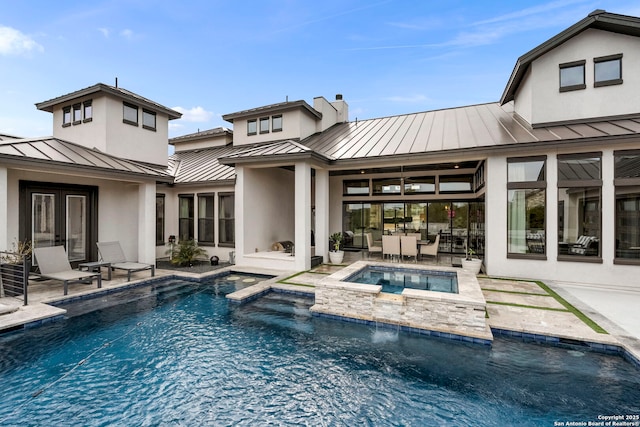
point(112, 252)
point(370, 245)
point(53, 263)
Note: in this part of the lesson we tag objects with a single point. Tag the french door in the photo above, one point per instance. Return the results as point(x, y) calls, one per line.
point(53, 214)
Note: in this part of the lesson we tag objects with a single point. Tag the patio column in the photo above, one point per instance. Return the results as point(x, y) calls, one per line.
point(322, 214)
point(4, 209)
point(147, 223)
point(303, 216)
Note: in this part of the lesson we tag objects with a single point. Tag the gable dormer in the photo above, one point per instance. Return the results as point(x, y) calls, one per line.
point(216, 137)
point(113, 120)
point(293, 120)
point(591, 70)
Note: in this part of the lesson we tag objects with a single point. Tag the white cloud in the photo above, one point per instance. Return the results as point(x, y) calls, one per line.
point(127, 34)
point(13, 42)
point(195, 114)
point(105, 32)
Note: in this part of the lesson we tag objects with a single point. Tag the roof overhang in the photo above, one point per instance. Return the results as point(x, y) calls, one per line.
point(273, 109)
point(598, 19)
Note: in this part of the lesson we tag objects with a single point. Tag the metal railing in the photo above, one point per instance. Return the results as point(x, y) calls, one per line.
point(14, 275)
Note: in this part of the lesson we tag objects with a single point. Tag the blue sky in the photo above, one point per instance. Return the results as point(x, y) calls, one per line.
point(212, 57)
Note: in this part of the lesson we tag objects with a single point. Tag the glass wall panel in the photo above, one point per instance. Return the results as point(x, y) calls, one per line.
point(360, 186)
point(394, 218)
point(628, 222)
point(579, 211)
point(386, 186)
point(526, 171)
point(572, 168)
point(456, 184)
point(420, 185)
point(76, 227)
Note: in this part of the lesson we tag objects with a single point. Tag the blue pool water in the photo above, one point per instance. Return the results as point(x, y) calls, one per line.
point(182, 355)
point(394, 280)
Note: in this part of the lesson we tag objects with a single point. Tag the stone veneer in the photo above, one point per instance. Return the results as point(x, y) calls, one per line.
point(461, 314)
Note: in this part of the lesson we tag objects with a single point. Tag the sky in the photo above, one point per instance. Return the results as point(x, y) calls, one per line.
point(208, 58)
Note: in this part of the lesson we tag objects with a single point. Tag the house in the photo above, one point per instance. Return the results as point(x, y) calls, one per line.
point(543, 184)
point(93, 180)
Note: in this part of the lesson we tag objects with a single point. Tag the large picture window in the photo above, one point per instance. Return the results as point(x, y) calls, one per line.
point(579, 206)
point(526, 206)
point(206, 218)
point(226, 218)
point(185, 217)
point(627, 182)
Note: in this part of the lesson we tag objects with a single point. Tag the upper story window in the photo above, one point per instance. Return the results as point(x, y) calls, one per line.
point(386, 186)
point(608, 70)
point(423, 184)
point(252, 127)
point(572, 76)
point(359, 187)
point(264, 125)
point(88, 111)
point(148, 119)
point(66, 116)
point(276, 123)
point(456, 184)
point(130, 114)
point(77, 114)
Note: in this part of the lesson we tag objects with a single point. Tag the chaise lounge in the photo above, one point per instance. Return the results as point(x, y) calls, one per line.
point(112, 252)
point(53, 263)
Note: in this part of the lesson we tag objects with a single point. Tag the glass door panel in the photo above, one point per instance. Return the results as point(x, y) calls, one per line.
point(438, 222)
point(459, 214)
point(394, 218)
point(76, 226)
point(43, 222)
point(417, 213)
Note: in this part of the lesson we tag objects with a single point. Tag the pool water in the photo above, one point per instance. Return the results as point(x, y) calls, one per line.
point(394, 280)
point(182, 355)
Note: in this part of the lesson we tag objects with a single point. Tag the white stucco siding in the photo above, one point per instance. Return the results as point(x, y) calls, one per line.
point(551, 105)
point(295, 125)
point(91, 134)
point(523, 99)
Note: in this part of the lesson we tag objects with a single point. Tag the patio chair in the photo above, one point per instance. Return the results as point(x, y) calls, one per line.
point(53, 263)
point(370, 245)
point(431, 249)
point(391, 246)
point(409, 247)
point(112, 252)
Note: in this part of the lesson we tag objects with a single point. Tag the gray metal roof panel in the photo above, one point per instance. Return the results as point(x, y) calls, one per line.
point(273, 108)
point(201, 165)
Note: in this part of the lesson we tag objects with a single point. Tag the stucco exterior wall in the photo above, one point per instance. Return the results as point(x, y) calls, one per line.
point(91, 134)
point(551, 105)
point(295, 125)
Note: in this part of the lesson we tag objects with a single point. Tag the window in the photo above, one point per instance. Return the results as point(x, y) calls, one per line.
point(264, 125)
point(420, 185)
point(607, 70)
point(456, 184)
point(77, 114)
point(226, 219)
point(148, 119)
point(130, 114)
point(206, 218)
point(572, 76)
point(360, 187)
point(88, 111)
point(252, 127)
point(526, 206)
point(386, 186)
point(185, 217)
point(627, 182)
point(66, 116)
point(579, 206)
point(276, 123)
point(159, 219)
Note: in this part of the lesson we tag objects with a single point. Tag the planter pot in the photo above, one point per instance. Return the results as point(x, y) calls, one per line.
point(472, 265)
point(336, 257)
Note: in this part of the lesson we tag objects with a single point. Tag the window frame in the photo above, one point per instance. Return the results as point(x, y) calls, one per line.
point(160, 219)
point(211, 221)
point(188, 220)
point(223, 218)
point(76, 114)
point(575, 64)
point(253, 122)
point(87, 106)
point(66, 116)
point(125, 106)
point(623, 182)
point(148, 113)
point(274, 127)
point(540, 184)
point(263, 121)
point(609, 82)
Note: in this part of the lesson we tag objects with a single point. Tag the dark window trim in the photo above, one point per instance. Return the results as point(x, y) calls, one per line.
point(145, 111)
point(76, 107)
point(580, 258)
point(571, 65)
point(601, 83)
point(578, 156)
point(526, 159)
point(86, 104)
point(192, 219)
point(211, 194)
point(226, 244)
point(130, 122)
point(526, 185)
point(164, 219)
point(65, 111)
point(263, 120)
point(252, 121)
point(626, 261)
point(626, 182)
point(273, 128)
point(531, 256)
point(580, 183)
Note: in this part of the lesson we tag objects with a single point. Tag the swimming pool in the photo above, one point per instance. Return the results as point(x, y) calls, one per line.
point(395, 280)
point(181, 355)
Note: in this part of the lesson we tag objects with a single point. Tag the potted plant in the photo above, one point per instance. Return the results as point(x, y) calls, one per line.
point(336, 255)
point(186, 252)
point(472, 263)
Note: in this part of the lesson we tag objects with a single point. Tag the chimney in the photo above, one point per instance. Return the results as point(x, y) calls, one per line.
point(342, 109)
point(338, 97)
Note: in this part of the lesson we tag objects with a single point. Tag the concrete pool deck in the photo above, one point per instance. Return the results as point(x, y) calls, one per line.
point(519, 308)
